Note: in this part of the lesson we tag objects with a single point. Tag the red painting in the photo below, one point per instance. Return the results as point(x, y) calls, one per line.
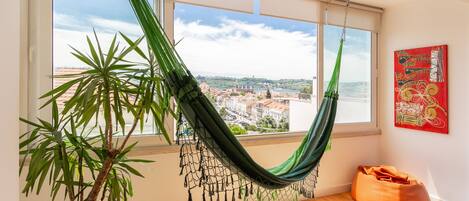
point(421, 89)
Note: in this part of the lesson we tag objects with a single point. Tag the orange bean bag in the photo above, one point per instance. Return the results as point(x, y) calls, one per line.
point(385, 183)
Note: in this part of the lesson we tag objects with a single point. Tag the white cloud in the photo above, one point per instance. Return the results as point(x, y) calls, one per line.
point(62, 39)
point(65, 20)
point(240, 49)
point(356, 67)
point(71, 33)
point(236, 48)
point(114, 26)
point(233, 48)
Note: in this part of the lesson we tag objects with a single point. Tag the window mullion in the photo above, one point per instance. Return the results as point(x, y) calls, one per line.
point(40, 53)
point(167, 14)
point(320, 65)
point(168, 18)
point(374, 79)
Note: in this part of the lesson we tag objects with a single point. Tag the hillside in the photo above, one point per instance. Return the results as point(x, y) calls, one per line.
point(347, 89)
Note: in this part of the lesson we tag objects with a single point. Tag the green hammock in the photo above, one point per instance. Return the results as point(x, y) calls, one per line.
point(211, 155)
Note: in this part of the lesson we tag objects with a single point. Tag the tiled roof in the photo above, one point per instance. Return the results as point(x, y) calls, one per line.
point(59, 81)
point(278, 106)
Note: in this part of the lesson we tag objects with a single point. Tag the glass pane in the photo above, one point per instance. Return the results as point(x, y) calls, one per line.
point(355, 75)
point(258, 71)
point(74, 20)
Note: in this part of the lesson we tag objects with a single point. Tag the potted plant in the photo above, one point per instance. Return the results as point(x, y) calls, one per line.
point(83, 148)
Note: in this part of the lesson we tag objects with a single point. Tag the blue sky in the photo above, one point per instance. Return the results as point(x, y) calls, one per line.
point(112, 9)
point(210, 16)
point(281, 43)
point(121, 10)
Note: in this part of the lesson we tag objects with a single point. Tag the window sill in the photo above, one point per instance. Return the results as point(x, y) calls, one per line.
point(155, 145)
point(247, 141)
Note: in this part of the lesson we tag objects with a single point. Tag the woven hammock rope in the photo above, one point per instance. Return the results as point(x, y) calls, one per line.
point(211, 157)
point(220, 179)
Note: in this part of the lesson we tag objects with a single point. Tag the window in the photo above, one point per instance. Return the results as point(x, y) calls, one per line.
point(264, 74)
point(73, 21)
point(354, 104)
point(257, 70)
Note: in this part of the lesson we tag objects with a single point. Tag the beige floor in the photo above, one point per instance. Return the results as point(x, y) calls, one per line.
point(338, 197)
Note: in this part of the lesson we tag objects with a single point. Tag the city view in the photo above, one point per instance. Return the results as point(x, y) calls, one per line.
point(259, 105)
point(248, 105)
point(256, 105)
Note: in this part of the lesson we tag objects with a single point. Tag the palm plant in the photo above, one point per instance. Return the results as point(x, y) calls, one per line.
point(84, 148)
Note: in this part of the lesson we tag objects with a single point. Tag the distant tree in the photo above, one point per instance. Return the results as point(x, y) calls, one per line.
point(307, 89)
point(304, 96)
point(237, 129)
point(305, 92)
point(211, 98)
point(267, 122)
point(223, 112)
point(268, 95)
point(251, 127)
point(283, 124)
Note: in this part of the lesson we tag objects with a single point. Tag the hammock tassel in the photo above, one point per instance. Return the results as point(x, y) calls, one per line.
point(190, 195)
point(182, 170)
point(180, 150)
point(201, 162)
point(203, 195)
point(222, 187)
point(203, 174)
point(180, 161)
point(213, 189)
point(246, 192)
point(197, 145)
point(233, 198)
point(178, 135)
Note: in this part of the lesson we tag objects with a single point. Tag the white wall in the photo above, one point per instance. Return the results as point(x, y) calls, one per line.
point(162, 180)
point(9, 105)
point(441, 161)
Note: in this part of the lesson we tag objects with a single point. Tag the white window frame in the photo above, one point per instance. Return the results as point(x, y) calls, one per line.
point(37, 80)
point(37, 77)
point(355, 127)
point(345, 129)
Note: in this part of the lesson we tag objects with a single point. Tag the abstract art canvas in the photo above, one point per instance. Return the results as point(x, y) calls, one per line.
point(421, 89)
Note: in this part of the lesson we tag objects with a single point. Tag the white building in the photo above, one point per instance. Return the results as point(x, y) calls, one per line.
point(301, 114)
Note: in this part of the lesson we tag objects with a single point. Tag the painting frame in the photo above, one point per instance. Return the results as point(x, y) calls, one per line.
point(421, 89)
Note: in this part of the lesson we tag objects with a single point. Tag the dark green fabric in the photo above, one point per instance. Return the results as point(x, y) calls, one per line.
point(203, 117)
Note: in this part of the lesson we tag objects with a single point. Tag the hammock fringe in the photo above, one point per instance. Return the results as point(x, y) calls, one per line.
point(201, 169)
